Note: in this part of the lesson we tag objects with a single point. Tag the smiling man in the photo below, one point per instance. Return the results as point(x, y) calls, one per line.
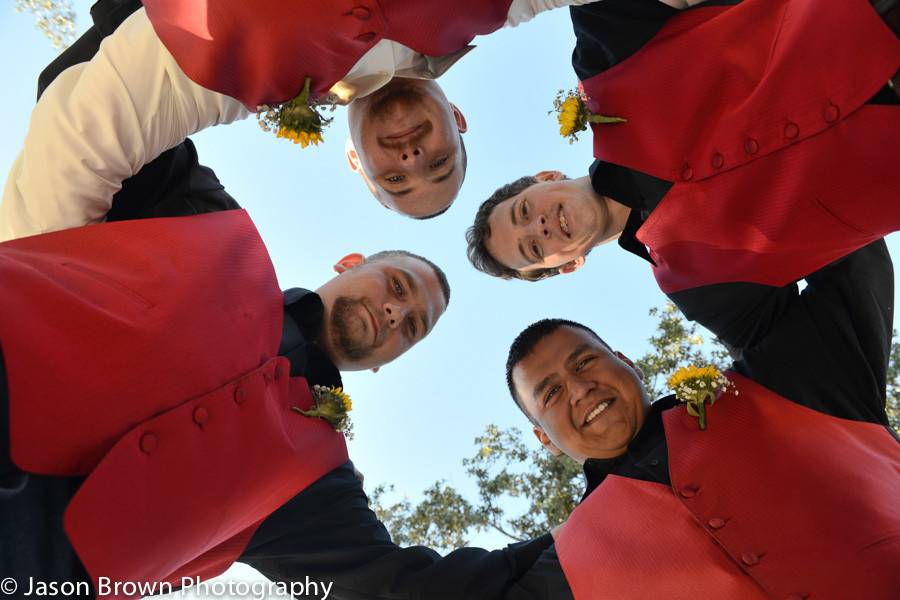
point(415, 158)
point(765, 196)
point(765, 502)
point(167, 73)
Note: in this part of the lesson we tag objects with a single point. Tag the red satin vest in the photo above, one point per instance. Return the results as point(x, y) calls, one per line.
point(143, 354)
point(260, 52)
point(756, 112)
point(772, 500)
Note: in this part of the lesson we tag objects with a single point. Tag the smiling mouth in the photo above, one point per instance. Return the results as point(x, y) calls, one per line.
point(563, 222)
point(599, 410)
point(405, 133)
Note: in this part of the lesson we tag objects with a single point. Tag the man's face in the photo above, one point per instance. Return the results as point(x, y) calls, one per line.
point(407, 142)
point(586, 401)
point(375, 311)
point(551, 224)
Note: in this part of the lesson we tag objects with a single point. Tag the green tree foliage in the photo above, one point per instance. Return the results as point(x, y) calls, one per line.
point(893, 386)
point(56, 18)
point(525, 492)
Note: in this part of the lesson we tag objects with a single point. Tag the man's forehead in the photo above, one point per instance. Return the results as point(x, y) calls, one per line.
point(554, 350)
point(427, 198)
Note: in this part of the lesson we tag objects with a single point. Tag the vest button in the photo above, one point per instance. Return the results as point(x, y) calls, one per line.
point(832, 113)
point(751, 146)
point(688, 492)
point(717, 160)
point(149, 442)
point(240, 395)
point(201, 415)
point(791, 131)
point(279, 372)
point(687, 173)
point(362, 13)
point(749, 559)
point(366, 37)
point(716, 523)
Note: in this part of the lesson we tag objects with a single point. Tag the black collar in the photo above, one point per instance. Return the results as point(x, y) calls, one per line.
point(640, 192)
point(304, 315)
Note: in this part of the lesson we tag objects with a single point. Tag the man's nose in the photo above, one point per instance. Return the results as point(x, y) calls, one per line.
point(578, 390)
point(411, 153)
point(395, 314)
point(540, 227)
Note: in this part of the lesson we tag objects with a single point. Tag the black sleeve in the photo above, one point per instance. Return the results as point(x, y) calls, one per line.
point(544, 581)
point(328, 533)
point(608, 32)
point(828, 346)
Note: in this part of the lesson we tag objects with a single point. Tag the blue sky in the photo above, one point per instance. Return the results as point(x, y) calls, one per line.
point(415, 419)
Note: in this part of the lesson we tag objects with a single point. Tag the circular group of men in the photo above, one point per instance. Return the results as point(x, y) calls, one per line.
point(151, 366)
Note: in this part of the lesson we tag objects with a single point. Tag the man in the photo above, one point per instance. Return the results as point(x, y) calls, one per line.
point(787, 493)
point(406, 136)
point(150, 384)
point(768, 155)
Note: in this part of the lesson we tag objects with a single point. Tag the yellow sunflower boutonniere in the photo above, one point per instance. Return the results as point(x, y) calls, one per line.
point(698, 387)
point(297, 120)
point(332, 405)
point(574, 116)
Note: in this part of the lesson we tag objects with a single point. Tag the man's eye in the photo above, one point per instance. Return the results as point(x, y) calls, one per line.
point(583, 363)
point(438, 163)
point(551, 394)
point(395, 178)
point(398, 289)
point(525, 209)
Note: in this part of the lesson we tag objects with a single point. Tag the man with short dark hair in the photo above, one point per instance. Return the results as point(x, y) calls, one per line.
point(786, 493)
point(805, 175)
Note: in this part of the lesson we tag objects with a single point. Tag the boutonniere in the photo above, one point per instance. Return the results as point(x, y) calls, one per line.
point(698, 387)
point(573, 114)
point(333, 405)
point(298, 120)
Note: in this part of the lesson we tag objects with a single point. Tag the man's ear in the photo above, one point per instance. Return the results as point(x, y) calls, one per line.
point(348, 262)
point(549, 176)
point(352, 156)
point(631, 364)
point(572, 265)
point(460, 119)
point(544, 439)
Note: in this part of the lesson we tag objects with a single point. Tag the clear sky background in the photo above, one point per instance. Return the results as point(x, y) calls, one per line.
point(417, 418)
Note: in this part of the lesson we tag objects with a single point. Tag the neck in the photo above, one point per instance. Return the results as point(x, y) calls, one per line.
point(614, 215)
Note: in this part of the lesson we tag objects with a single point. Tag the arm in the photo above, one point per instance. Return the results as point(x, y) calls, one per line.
point(544, 581)
point(828, 346)
point(329, 533)
point(97, 124)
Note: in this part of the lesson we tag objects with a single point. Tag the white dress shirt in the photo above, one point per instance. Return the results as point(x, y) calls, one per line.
point(100, 122)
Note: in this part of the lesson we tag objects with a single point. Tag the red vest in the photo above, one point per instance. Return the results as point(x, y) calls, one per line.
point(143, 354)
point(260, 52)
point(772, 500)
point(756, 112)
